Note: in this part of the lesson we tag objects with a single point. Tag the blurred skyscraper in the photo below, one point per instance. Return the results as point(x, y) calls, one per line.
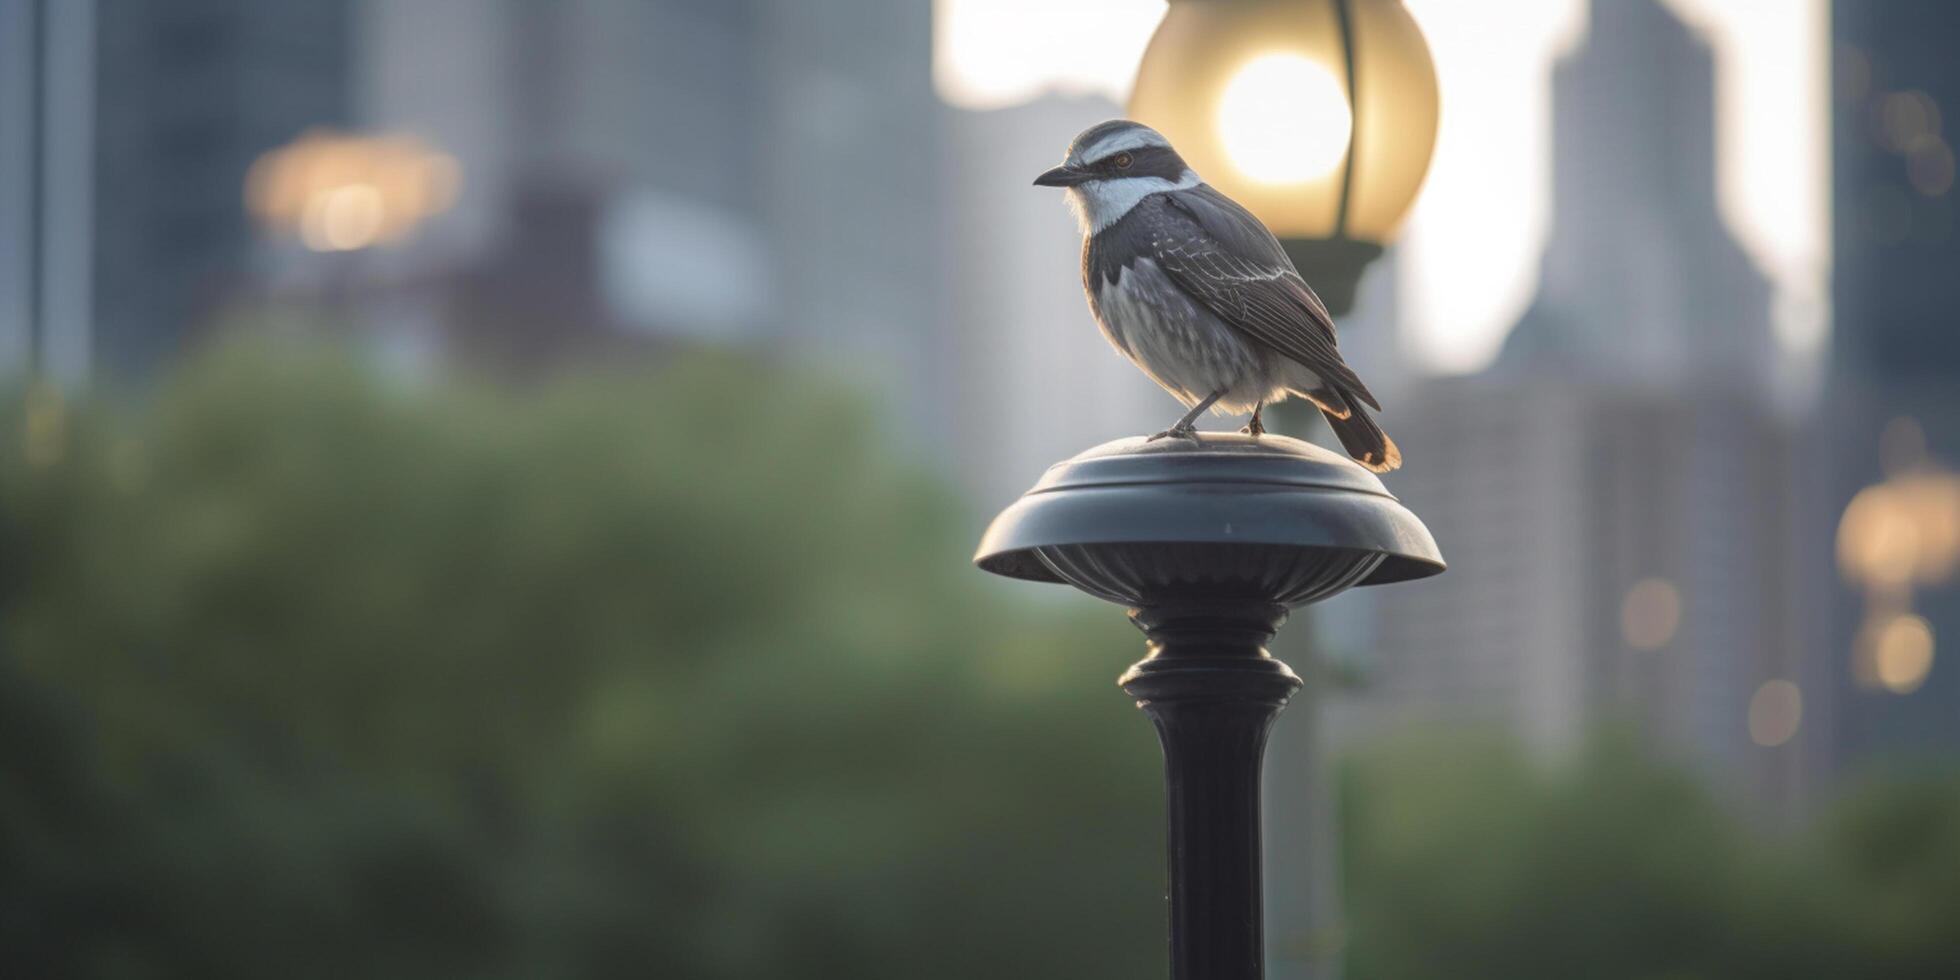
point(634, 172)
point(1898, 90)
point(125, 136)
point(728, 170)
point(1641, 285)
point(1615, 493)
point(1894, 406)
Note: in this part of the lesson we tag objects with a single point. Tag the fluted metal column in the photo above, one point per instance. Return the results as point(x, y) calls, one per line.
point(1213, 692)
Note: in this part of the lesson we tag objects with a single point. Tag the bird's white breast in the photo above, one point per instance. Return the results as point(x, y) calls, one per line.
point(1177, 342)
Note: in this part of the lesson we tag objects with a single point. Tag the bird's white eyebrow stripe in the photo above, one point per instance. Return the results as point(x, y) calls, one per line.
point(1128, 139)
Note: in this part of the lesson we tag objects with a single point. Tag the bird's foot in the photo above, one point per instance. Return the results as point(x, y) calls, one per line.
point(1178, 432)
point(1254, 428)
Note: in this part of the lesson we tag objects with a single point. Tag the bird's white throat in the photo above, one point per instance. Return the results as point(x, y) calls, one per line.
point(1101, 203)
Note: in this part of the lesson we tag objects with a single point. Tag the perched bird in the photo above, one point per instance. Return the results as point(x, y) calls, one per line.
point(1198, 293)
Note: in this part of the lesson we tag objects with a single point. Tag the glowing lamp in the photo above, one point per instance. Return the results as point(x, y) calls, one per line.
point(339, 192)
point(1319, 115)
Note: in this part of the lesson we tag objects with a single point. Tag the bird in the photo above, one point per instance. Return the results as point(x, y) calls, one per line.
point(1198, 294)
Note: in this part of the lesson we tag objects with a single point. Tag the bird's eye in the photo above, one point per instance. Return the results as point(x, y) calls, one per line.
point(1123, 161)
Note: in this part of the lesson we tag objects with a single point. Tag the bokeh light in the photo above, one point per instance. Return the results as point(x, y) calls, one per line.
point(1775, 713)
point(1650, 614)
point(1904, 119)
point(1903, 532)
point(1929, 165)
point(1902, 653)
point(342, 219)
point(338, 193)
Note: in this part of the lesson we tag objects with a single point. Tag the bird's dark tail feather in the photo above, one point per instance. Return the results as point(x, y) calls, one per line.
point(1364, 440)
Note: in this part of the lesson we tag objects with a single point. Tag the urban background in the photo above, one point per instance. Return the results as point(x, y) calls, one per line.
point(486, 489)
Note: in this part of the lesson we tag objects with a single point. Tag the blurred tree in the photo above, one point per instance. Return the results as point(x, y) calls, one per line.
point(1896, 848)
point(1468, 862)
point(305, 674)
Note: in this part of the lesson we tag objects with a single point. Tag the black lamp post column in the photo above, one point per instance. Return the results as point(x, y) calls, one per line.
point(1209, 542)
point(1213, 693)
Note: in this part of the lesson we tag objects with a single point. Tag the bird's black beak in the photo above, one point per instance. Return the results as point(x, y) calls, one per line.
point(1063, 177)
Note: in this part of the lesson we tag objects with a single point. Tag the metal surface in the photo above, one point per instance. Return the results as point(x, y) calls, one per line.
point(1210, 542)
point(1212, 692)
point(1268, 518)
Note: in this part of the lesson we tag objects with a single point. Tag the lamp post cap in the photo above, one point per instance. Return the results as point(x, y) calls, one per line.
point(1270, 518)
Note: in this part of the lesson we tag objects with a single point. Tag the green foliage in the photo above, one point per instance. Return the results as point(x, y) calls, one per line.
point(1466, 862)
point(1895, 846)
point(305, 674)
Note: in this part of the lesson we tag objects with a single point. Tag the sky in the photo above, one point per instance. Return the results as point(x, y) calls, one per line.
point(1470, 249)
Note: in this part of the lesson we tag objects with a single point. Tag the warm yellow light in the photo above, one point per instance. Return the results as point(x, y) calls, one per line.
point(1902, 653)
point(1933, 500)
point(1903, 532)
point(338, 193)
point(1877, 543)
point(1258, 98)
point(1283, 119)
point(344, 218)
point(1650, 614)
point(1775, 712)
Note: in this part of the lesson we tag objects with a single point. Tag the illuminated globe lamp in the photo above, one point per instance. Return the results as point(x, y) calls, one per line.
point(1318, 115)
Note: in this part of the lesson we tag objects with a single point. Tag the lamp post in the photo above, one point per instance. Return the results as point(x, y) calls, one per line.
point(1318, 115)
point(1210, 543)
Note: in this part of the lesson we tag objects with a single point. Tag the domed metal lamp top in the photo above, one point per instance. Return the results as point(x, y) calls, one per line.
point(1268, 519)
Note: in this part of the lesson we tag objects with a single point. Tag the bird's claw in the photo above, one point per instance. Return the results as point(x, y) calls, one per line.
point(1253, 429)
point(1177, 432)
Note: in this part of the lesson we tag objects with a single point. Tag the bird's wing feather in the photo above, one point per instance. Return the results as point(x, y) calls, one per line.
point(1227, 260)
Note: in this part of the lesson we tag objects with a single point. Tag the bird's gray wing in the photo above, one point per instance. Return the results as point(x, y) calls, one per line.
point(1226, 259)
